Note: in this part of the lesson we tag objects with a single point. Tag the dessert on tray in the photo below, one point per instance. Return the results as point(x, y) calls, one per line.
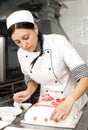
point(39, 113)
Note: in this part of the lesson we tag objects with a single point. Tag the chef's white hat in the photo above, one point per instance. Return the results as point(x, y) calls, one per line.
point(19, 16)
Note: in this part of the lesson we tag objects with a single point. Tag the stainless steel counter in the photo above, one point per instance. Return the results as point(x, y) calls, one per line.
point(82, 125)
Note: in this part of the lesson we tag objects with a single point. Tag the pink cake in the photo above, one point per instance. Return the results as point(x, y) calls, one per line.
point(39, 114)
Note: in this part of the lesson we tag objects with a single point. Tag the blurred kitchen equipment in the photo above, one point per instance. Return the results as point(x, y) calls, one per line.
point(9, 65)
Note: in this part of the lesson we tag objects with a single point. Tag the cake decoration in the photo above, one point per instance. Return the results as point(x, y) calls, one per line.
point(39, 113)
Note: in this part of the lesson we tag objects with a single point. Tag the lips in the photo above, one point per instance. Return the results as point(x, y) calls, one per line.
point(29, 49)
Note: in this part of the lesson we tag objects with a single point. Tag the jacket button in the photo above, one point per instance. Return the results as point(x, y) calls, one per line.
point(46, 90)
point(30, 71)
point(56, 81)
point(47, 51)
point(62, 92)
point(26, 56)
point(49, 68)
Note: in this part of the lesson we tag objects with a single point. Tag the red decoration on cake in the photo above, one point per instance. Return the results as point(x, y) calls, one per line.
point(46, 120)
point(34, 118)
point(48, 101)
point(78, 112)
point(60, 99)
point(47, 97)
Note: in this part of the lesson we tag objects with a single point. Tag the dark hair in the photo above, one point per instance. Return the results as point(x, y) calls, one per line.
point(40, 38)
point(27, 25)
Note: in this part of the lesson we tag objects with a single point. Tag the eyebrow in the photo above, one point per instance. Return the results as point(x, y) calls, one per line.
point(21, 37)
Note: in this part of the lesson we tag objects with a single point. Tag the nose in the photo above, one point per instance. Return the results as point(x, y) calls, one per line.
point(24, 44)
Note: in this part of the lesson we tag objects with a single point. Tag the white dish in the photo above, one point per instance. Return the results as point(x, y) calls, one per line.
point(16, 104)
point(8, 118)
point(3, 124)
point(26, 105)
point(7, 110)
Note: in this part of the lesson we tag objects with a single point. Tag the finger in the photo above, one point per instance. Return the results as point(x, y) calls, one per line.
point(64, 116)
point(52, 115)
point(60, 117)
point(19, 99)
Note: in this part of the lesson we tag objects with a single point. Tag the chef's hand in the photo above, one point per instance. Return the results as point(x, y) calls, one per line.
point(21, 96)
point(62, 110)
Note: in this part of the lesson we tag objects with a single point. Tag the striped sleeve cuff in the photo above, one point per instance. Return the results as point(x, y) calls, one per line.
point(27, 79)
point(80, 71)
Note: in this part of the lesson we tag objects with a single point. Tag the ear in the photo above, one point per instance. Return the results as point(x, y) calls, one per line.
point(36, 28)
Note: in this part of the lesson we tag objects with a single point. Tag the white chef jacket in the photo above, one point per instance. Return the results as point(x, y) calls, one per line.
point(56, 68)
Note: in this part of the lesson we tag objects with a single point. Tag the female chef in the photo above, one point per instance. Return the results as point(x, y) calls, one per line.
point(48, 60)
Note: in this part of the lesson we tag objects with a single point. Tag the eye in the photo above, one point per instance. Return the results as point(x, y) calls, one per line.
point(26, 37)
point(17, 42)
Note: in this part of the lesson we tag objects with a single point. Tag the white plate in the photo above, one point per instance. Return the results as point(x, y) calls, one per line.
point(7, 110)
point(26, 105)
point(3, 124)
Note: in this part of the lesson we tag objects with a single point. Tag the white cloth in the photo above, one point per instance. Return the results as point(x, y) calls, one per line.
point(19, 16)
point(52, 69)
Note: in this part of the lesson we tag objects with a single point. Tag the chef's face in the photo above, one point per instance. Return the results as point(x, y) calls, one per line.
point(26, 39)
